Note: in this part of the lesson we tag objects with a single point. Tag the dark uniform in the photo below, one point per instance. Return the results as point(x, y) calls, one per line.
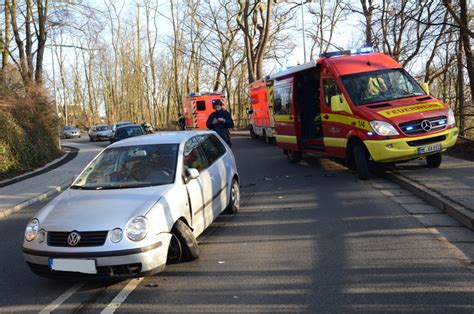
point(222, 126)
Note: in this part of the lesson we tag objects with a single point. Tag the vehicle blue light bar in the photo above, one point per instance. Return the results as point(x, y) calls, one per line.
point(347, 52)
point(362, 50)
point(335, 53)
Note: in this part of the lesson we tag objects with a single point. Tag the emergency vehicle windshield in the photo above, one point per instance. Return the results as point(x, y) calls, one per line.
point(379, 86)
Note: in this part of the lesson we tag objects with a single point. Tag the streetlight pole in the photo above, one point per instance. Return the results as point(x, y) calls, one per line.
point(303, 30)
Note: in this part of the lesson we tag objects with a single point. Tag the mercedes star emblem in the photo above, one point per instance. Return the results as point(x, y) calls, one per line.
point(426, 125)
point(73, 238)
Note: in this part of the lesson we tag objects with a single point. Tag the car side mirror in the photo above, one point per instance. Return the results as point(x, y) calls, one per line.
point(249, 111)
point(340, 104)
point(426, 88)
point(191, 173)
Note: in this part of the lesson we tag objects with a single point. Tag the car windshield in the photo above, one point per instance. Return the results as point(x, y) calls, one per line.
point(103, 128)
point(377, 86)
point(130, 167)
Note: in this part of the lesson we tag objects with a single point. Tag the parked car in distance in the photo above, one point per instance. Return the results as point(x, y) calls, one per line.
point(141, 203)
point(127, 131)
point(116, 125)
point(71, 132)
point(99, 132)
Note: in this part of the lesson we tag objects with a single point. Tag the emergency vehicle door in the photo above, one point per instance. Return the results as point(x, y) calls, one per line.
point(284, 115)
point(335, 120)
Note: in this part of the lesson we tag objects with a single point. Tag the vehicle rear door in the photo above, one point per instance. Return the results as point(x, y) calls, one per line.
point(285, 112)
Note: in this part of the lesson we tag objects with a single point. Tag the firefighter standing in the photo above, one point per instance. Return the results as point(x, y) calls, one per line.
point(181, 122)
point(220, 121)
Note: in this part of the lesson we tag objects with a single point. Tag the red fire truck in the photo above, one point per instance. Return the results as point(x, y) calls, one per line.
point(198, 107)
point(261, 112)
point(362, 107)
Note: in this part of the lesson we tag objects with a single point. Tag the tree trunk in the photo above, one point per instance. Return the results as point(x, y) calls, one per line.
point(460, 84)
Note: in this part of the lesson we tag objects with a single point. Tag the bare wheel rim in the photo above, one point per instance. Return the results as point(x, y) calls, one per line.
point(175, 251)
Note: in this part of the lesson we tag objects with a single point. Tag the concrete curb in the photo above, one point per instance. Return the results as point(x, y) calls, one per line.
point(455, 210)
point(37, 199)
point(70, 153)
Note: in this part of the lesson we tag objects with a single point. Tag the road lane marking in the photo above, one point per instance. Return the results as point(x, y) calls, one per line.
point(63, 297)
point(118, 300)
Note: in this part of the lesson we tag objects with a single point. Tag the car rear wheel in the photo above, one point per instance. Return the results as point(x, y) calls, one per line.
point(186, 247)
point(234, 199)
point(294, 156)
point(91, 139)
point(361, 159)
point(434, 161)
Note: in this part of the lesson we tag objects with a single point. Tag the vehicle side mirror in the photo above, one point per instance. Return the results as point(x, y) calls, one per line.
point(340, 104)
point(426, 88)
point(191, 173)
point(249, 111)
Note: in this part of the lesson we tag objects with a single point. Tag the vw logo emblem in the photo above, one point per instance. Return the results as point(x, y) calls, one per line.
point(73, 238)
point(426, 125)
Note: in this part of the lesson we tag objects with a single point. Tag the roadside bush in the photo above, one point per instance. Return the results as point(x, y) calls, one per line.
point(28, 129)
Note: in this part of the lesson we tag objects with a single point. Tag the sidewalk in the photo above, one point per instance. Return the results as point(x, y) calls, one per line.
point(450, 187)
point(19, 195)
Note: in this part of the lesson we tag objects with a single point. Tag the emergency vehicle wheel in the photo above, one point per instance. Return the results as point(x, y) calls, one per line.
point(252, 133)
point(294, 156)
point(434, 161)
point(266, 138)
point(361, 159)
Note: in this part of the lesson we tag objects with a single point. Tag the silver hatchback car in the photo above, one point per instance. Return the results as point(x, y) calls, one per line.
point(138, 205)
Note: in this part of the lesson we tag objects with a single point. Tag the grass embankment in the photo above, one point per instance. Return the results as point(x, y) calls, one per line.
point(28, 130)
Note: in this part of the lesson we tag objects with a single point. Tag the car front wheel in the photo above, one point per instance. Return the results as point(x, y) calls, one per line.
point(183, 244)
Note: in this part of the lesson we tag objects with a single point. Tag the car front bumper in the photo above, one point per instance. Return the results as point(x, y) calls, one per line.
point(109, 264)
point(407, 148)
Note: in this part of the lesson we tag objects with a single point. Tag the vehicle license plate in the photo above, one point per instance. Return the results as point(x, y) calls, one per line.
point(429, 149)
point(85, 266)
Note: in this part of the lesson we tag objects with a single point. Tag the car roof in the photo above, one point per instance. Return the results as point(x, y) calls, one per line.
point(167, 137)
point(128, 126)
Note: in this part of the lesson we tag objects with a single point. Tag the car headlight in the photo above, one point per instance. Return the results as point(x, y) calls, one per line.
point(116, 235)
point(383, 128)
point(451, 119)
point(41, 236)
point(31, 231)
point(137, 228)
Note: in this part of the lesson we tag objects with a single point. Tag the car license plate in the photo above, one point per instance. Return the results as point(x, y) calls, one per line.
point(85, 266)
point(429, 149)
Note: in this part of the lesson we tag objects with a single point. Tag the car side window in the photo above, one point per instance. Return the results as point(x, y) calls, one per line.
point(193, 157)
point(330, 89)
point(210, 149)
point(218, 144)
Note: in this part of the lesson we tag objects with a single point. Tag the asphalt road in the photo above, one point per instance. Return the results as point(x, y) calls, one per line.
point(309, 238)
